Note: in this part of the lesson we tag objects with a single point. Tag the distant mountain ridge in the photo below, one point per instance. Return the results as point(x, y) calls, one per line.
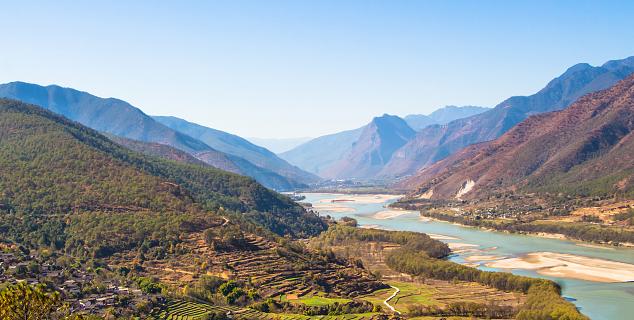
point(239, 147)
point(373, 149)
point(586, 149)
point(441, 116)
point(117, 117)
point(311, 157)
point(437, 142)
point(280, 145)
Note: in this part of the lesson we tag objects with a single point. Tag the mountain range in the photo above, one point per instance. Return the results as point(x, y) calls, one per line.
point(310, 156)
point(119, 118)
point(436, 142)
point(279, 145)
point(586, 149)
point(55, 166)
point(442, 116)
point(320, 153)
point(239, 147)
point(445, 131)
point(373, 149)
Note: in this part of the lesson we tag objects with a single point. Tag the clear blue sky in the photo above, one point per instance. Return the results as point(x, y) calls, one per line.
point(306, 68)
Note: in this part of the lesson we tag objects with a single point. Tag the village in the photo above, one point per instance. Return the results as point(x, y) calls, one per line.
point(84, 290)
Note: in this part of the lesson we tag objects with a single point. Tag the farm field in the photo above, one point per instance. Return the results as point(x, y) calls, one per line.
point(416, 291)
point(187, 310)
point(315, 299)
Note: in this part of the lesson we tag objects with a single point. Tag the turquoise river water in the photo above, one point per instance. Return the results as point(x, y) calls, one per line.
point(599, 301)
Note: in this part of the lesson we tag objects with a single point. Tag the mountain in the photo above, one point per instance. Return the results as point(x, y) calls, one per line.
point(419, 121)
point(320, 153)
point(239, 147)
point(228, 162)
point(117, 117)
point(53, 166)
point(450, 113)
point(311, 157)
point(373, 149)
point(279, 145)
point(442, 116)
point(586, 149)
point(160, 150)
point(437, 142)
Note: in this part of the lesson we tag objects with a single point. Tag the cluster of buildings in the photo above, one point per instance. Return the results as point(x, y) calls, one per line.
point(77, 286)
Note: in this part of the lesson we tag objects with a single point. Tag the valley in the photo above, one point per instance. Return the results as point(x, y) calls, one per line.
point(317, 160)
point(488, 250)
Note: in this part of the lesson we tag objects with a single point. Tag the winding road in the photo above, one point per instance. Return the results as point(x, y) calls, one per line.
point(392, 297)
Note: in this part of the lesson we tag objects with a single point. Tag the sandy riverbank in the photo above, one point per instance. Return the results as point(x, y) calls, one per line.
point(362, 198)
point(569, 266)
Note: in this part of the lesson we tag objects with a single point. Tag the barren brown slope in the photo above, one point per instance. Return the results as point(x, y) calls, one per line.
point(437, 142)
point(585, 149)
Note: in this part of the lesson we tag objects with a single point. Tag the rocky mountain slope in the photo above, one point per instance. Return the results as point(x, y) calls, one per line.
point(436, 142)
point(586, 149)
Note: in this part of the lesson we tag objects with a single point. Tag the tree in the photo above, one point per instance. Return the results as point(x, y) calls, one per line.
point(25, 302)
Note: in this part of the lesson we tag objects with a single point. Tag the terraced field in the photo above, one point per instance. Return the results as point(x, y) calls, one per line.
point(186, 310)
point(264, 266)
point(418, 291)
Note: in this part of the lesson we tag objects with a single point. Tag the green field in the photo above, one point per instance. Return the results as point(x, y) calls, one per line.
point(315, 300)
point(410, 294)
point(187, 310)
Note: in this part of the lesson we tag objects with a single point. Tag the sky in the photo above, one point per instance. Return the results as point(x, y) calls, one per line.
point(281, 69)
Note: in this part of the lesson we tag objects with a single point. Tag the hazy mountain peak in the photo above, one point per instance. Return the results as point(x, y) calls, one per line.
point(614, 64)
point(374, 148)
point(443, 115)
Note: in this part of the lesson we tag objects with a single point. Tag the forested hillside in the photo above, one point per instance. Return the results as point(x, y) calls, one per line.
point(57, 172)
point(119, 118)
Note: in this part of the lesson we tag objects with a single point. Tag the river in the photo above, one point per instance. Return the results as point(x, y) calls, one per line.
point(598, 300)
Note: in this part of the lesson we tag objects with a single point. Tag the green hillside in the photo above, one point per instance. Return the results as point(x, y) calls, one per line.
point(57, 173)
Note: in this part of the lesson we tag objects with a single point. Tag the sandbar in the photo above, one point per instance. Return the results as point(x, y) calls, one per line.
point(569, 266)
point(363, 198)
point(333, 208)
point(458, 247)
point(480, 258)
point(441, 236)
point(389, 214)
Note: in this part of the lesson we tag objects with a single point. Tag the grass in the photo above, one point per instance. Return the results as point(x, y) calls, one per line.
point(321, 301)
point(317, 299)
point(410, 294)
